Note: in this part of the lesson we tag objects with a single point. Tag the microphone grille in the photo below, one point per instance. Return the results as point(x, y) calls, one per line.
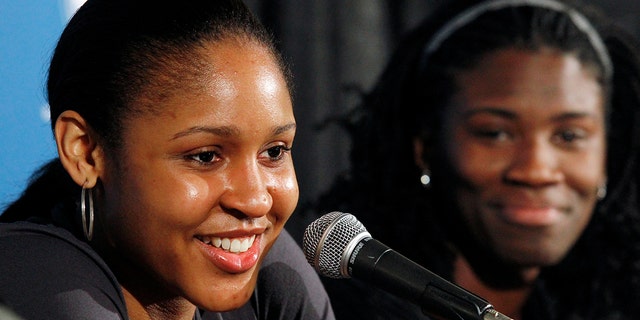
point(329, 240)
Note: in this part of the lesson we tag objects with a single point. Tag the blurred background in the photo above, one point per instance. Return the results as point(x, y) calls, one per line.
point(336, 48)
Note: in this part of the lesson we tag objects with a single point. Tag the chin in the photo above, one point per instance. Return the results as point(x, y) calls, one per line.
point(533, 258)
point(234, 292)
point(226, 301)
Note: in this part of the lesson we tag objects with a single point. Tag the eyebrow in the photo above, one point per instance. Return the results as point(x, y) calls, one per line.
point(489, 110)
point(574, 115)
point(224, 131)
point(228, 131)
point(511, 115)
point(282, 129)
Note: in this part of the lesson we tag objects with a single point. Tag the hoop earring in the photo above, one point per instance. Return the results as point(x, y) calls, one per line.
point(88, 229)
point(425, 178)
point(601, 192)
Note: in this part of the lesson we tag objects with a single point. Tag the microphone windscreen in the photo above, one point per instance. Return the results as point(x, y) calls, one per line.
point(329, 241)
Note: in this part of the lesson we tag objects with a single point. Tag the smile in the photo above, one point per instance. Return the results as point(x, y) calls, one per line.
point(234, 245)
point(532, 217)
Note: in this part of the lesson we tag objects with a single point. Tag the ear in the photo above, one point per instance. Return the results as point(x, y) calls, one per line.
point(419, 153)
point(78, 149)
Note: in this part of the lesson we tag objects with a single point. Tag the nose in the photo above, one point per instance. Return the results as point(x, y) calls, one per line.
point(246, 192)
point(535, 163)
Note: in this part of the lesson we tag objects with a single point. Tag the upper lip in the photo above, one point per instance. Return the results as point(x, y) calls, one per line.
point(232, 228)
point(531, 204)
point(528, 206)
point(531, 200)
point(237, 233)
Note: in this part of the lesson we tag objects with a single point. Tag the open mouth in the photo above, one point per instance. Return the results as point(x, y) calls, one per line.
point(234, 245)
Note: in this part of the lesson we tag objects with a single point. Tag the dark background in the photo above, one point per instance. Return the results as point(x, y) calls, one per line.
point(337, 48)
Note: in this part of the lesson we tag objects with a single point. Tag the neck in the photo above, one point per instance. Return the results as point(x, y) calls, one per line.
point(145, 297)
point(174, 309)
point(508, 301)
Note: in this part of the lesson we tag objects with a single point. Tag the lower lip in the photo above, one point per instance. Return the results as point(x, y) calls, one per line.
point(531, 217)
point(233, 262)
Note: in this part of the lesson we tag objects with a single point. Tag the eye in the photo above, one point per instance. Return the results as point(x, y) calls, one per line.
point(491, 135)
point(277, 152)
point(205, 157)
point(570, 136)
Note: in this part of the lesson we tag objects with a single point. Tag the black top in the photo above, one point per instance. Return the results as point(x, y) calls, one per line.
point(47, 273)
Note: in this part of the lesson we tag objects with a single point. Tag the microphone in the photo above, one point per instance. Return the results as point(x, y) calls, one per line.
point(338, 246)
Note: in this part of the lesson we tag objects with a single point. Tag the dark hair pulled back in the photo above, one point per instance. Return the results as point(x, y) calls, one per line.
point(110, 54)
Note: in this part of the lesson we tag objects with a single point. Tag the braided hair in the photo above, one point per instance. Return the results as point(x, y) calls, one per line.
point(383, 189)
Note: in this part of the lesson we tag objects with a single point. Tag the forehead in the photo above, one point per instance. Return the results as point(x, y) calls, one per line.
point(195, 69)
point(232, 77)
point(524, 78)
point(234, 63)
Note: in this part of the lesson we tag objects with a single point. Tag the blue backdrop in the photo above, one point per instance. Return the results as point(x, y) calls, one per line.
point(28, 33)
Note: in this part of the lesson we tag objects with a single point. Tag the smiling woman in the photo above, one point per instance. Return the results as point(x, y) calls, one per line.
point(530, 148)
point(174, 178)
point(523, 114)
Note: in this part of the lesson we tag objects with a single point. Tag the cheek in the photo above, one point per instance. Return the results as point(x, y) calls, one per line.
point(285, 193)
point(187, 201)
point(586, 173)
point(154, 204)
point(472, 164)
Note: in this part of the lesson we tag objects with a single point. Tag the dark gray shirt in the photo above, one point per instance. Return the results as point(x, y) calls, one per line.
point(47, 273)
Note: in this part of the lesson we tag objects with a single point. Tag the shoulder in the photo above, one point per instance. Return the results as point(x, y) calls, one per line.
point(287, 284)
point(357, 300)
point(47, 273)
point(287, 288)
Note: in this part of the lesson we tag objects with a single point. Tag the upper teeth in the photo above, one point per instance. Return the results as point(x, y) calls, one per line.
point(234, 245)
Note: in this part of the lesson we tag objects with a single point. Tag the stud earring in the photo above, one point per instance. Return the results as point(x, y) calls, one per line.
point(425, 178)
point(601, 192)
